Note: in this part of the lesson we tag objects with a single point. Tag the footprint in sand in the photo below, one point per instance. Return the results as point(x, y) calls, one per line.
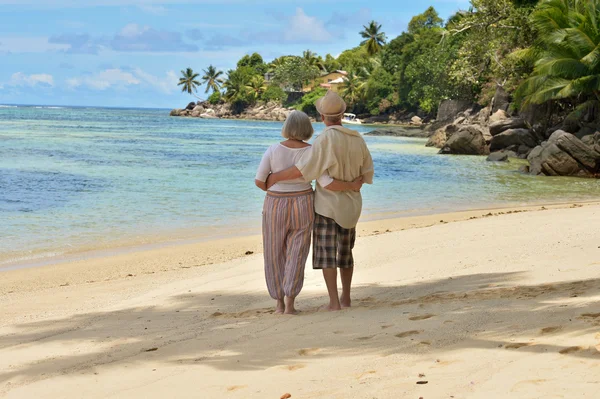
point(408, 333)
point(365, 374)
point(308, 351)
point(235, 388)
point(590, 315)
point(294, 367)
point(550, 330)
point(518, 345)
point(388, 326)
point(364, 338)
point(571, 349)
point(421, 317)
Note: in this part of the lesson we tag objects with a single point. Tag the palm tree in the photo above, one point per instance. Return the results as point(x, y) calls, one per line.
point(567, 53)
point(256, 87)
point(188, 82)
point(236, 86)
point(313, 59)
point(374, 39)
point(211, 79)
point(353, 88)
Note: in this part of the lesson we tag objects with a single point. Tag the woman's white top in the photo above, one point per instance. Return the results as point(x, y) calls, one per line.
point(279, 157)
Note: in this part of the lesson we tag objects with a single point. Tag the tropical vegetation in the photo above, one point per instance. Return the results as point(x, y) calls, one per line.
point(188, 81)
point(540, 52)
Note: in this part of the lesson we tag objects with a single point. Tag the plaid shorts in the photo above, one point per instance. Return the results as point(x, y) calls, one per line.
point(332, 244)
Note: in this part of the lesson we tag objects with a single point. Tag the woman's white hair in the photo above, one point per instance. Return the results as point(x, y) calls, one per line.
point(297, 126)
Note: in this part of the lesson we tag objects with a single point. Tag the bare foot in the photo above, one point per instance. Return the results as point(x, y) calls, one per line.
point(289, 306)
point(280, 308)
point(345, 302)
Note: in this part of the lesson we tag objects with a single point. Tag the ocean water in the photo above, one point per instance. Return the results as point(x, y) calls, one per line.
point(74, 179)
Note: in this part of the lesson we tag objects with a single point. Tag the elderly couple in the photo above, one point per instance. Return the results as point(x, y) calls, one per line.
point(340, 162)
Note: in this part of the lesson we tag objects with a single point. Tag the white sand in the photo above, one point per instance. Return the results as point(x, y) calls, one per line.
point(497, 307)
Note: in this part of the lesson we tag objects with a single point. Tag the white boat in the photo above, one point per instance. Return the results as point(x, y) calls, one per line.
point(351, 119)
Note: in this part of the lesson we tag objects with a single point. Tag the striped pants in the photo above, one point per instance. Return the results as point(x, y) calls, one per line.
point(287, 227)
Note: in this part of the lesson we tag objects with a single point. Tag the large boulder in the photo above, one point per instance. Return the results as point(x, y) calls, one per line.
point(501, 100)
point(468, 140)
point(176, 112)
point(449, 109)
point(506, 124)
point(499, 156)
point(512, 137)
point(415, 120)
point(596, 146)
point(564, 155)
point(191, 106)
point(497, 116)
point(440, 136)
point(199, 109)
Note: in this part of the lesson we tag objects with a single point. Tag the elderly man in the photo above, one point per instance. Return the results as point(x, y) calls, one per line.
point(343, 153)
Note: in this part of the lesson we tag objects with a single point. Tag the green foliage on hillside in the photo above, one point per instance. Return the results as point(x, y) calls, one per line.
point(550, 51)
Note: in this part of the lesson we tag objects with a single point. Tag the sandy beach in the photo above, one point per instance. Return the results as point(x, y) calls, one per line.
point(480, 304)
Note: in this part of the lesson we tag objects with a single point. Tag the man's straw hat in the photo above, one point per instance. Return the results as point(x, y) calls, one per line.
point(331, 104)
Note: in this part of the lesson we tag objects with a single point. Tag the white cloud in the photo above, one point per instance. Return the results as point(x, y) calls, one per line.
point(105, 80)
point(119, 79)
point(22, 80)
point(133, 30)
point(304, 28)
point(165, 85)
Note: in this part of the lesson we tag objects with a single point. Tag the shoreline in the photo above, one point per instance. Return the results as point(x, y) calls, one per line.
point(119, 263)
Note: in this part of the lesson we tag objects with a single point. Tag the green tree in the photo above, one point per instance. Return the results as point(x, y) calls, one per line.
point(353, 88)
point(374, 38)
point(378, 87)
point(188, 81)
point(274, 93)
point(313, 59)
point(354, 59)
point(429, 19)
point(256, 87)
point(330, 63)
point(254, 61)
point(212, 79)
point(307, 103)
point(236, 88)
point(294, 72)
point(568, 55)
point(489, 32)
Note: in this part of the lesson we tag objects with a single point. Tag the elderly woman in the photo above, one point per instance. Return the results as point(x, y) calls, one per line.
point(288, 212)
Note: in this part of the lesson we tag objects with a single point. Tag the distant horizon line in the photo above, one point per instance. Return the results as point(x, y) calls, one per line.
point(8, 105)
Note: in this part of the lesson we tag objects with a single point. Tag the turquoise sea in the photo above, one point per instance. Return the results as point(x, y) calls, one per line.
point(74, 179)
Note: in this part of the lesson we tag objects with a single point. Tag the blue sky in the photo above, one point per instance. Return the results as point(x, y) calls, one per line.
point(130, 52)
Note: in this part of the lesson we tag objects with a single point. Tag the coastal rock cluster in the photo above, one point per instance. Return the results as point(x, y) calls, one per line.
point(563, 154)
point(205, 110)
point(494, 132)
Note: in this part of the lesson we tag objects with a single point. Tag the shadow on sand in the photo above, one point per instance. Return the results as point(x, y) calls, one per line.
point(473, 311)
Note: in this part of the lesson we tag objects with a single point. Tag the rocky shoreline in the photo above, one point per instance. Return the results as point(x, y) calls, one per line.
point(205, 110)
point(561, 150)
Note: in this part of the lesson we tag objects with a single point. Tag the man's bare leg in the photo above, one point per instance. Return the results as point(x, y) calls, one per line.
point(330, 276)
point(346, 275)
